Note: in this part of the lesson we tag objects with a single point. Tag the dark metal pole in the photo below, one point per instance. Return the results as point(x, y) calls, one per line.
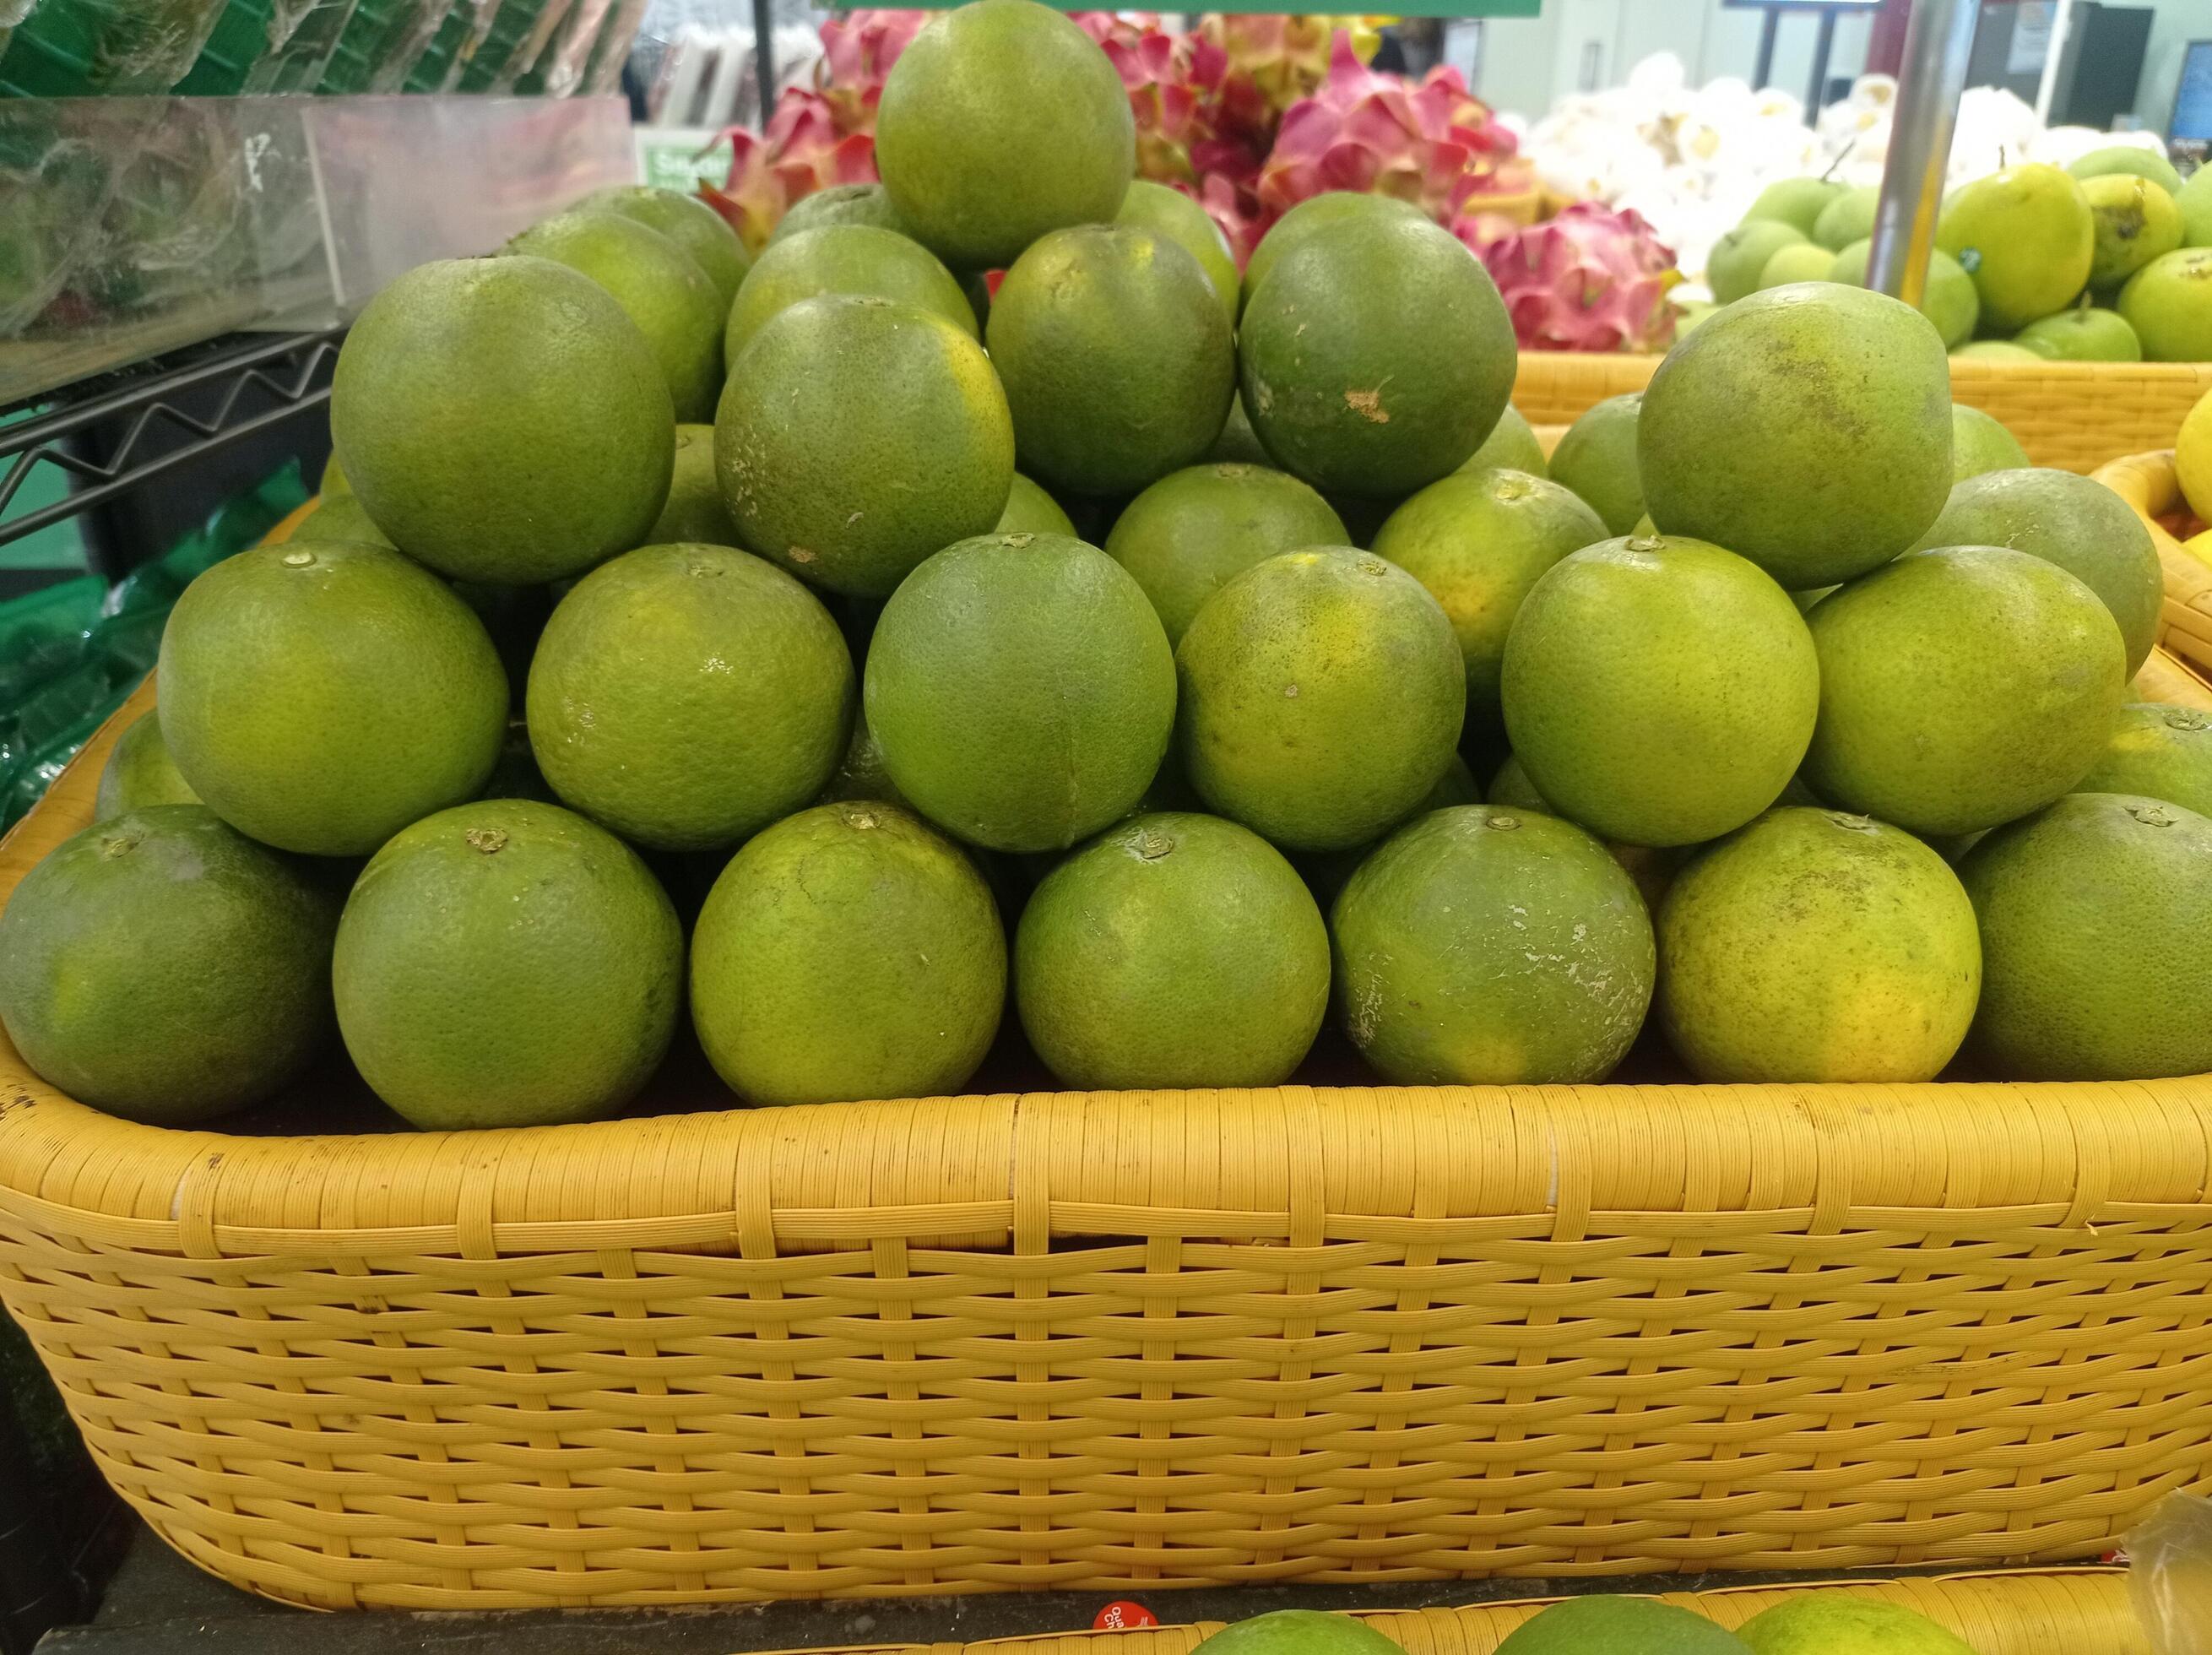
point(764, 58)
point(1766, 65)
point(1937, 42)
point(1821, 48)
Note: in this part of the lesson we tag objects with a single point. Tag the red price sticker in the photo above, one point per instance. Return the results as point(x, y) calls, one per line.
point(1121, 1615)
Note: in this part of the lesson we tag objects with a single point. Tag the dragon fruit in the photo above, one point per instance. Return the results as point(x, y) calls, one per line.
point(802, 151)
point(1173, 82)
point(1274, 60)
point(1433, 144)
point(858, 51)
point(819, 137)
point(1591, 279)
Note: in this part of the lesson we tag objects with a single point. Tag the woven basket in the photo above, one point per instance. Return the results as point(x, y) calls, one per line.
point(2050, 1612)
point(2147, 481)
point(1123, 1340)
point(2074, 416)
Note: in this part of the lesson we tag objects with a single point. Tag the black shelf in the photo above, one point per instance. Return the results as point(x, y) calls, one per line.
point(115, 431)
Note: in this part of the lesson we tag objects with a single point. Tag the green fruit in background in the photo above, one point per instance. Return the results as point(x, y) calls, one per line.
point(856, 258)
point(2168, 302)
point(1238, 444)
point(163, 967)
point(2158, 752)
point(503, 420)
point(1511, 788)
point(860, 774)
point(1835, 1623)
point(1994, 350)
point(1800, 261)
point(1850, 478)
point(1961, 688)
point(841, 203)
point(1194, 531)
point(1318, 214)
point(1658, 690)
point(1512, 444)
point(321, 696)
point(848, 952)
point(1848, 218)
point(1478, 541)
point(2127, 161)
point(1031, 511)
point(1485, 946)
point(340, 517)
point(2083, 334)
point(1116, 355)
point(2074, 521)
point(2195, 200)
point(659, 287)
point(687, 696)
point(2137, 222)
point(507, 962)
point(1597, 459)
point(1815, 947)
point(688, 221)
point(1322, 695)
point(696, 511)
point(1980, 443)
point(980, 171)
point(863, 436)
point(1796, 202)
point(1732, 268)
point(2025, 236)
point(1134, 964)
point(1342, 391)
point(1948, 301)
point(1170, 213)
point(1692, 313)
point(2084, 908)
point(139, 772)
point(332, 483)
point(1327, 872)
point(1606, 1625)
point(1022, 689)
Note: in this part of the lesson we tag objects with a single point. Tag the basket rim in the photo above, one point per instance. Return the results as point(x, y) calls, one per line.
point(1308, 1164)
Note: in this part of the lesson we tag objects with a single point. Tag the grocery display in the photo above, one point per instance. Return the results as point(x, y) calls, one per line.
point(996, 732)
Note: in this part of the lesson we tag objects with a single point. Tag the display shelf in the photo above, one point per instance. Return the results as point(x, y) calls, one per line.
point(256, 380)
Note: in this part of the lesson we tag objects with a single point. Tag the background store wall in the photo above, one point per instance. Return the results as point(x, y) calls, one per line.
point(1528, 63)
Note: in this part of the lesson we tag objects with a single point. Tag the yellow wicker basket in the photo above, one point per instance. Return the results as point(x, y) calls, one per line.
point(2147, 481)
point(1124, 1339)
point(2044, 1612)
point(2074, 416)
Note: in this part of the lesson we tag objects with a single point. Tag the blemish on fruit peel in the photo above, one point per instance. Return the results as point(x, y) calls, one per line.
point(489, 841)
point(298, 559)
point(1368, 405)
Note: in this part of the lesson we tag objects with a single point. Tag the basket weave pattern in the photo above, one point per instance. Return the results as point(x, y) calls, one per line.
point(2073, 416)
point(1124, 1339)
point(2147, 482)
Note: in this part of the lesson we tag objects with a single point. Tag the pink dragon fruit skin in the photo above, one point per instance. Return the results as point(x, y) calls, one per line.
point(801, 152)
point(858, 51)
point(1434, 145)
point(1173, 82)
point(1591, 279)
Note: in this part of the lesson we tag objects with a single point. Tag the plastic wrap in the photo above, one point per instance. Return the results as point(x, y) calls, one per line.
point(611, 51)
point(302, 34)
point(77, 48)
point(460, 36)
point(382, 43)
point(2170, 1573)
point(559, 70)
point(519, 35)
